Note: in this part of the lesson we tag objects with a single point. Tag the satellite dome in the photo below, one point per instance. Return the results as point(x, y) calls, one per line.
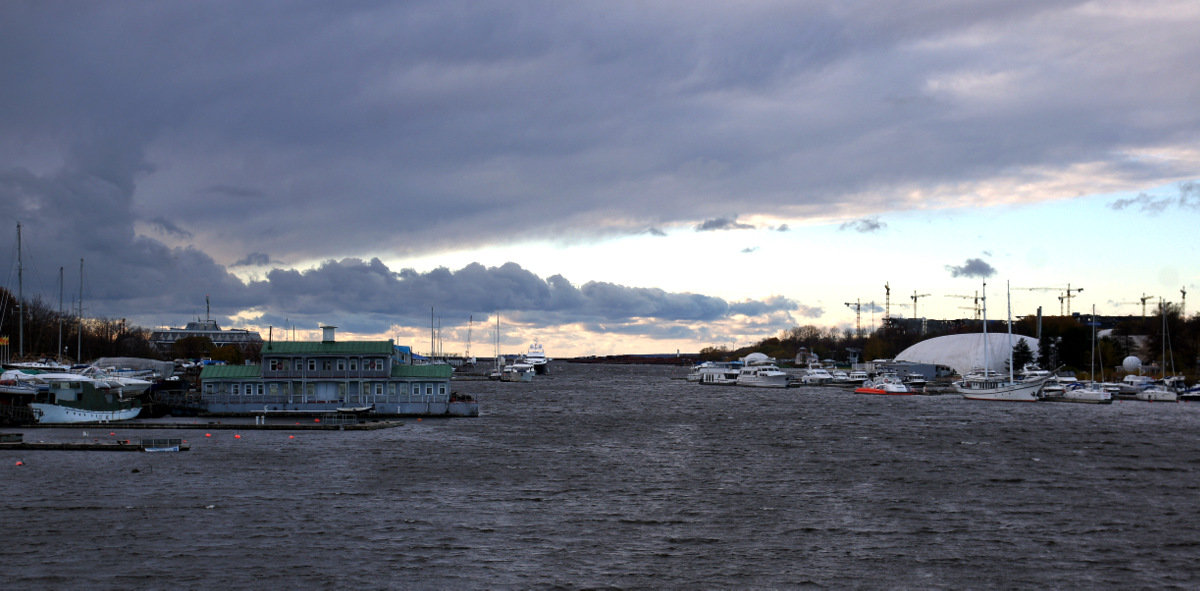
point(1131, 364)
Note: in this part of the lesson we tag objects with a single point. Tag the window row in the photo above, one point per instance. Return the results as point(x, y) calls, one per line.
point(276, 388)
point(341, 364)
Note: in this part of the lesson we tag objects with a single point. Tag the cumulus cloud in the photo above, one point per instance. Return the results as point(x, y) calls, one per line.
point(749, 249)
point(254, 259)
point(864, 225)
point(1188, 198)
point(971, 268)
point(722, 224)
point(167, 227)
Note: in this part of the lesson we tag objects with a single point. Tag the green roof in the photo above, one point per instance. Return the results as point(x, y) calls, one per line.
point(328, 348)
point(230, 372)
point(421, 371)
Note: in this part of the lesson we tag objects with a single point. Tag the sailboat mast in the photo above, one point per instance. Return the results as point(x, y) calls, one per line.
point(1008, 293)
point(20, 299)
point(986, 360)
point(79, 344)
point(58, 354)
point(1092, 371)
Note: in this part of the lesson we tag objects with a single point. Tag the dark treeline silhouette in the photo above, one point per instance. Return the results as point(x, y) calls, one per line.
point(101, 337)
point(1064, 341)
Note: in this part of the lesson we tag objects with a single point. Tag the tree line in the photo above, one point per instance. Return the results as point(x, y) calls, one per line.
point(46, 330)
point(1063, 341)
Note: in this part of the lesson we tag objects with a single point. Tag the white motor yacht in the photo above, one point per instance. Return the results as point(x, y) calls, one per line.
point(760, 371)
point(817, 376)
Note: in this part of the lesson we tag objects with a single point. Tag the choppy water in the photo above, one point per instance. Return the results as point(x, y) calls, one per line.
point(617, 476)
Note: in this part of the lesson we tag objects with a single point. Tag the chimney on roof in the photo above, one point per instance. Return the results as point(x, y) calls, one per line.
point(327, 334)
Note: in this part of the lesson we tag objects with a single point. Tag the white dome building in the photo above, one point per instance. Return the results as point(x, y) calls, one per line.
point(964, 352)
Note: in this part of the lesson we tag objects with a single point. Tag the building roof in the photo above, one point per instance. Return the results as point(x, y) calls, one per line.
point(964, 352)
point(231, 372)
point(421, 371)
point(328, 348)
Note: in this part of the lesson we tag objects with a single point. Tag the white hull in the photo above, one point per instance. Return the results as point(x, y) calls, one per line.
point(1084, 395)
point(763, 381)
point(1157, 395)
point(53, 413)
point(1016, 392)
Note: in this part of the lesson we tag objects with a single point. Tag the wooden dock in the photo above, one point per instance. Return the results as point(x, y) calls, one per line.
point(143, 445)
point(324, 425)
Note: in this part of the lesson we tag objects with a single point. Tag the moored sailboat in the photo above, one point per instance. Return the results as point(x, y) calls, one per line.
point(988, 384)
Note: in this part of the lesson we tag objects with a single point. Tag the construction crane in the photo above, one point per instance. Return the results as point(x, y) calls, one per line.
point(1143, 299)
point(1063, 295)
point(857, 307)
point(887, 302)
point(915, 296)
point(974, 298)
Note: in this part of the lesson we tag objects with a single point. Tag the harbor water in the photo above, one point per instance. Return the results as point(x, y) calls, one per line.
point(630, 477)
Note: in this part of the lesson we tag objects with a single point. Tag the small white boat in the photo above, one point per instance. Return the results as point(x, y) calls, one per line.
point(720, 373)
point(859, 376)
point(885, 384)
point(517, 372)
point(816, 376)
point(1157, 393)
point(1090, 393)
point(841, 377)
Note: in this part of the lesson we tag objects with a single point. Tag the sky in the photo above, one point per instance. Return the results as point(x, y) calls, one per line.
point(606, 177)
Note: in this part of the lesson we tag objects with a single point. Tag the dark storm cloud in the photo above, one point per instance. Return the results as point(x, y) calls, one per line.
point(254, 259)
point(864, 226)
point(315, 130)
point(722, 224)
point(373, 293)
point(167, 227)
point(760, 307)
point(971, 268)
point(1188, 198)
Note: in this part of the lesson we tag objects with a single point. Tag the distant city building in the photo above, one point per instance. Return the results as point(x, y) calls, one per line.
point(164, 340)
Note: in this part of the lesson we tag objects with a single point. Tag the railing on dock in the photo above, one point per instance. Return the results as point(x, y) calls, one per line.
point(162, 444)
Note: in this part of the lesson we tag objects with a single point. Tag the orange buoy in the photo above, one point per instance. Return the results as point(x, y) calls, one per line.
point(20, 463)
point(317, 420)
point(237, 436)
point(208, 434)
point(291, 436)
